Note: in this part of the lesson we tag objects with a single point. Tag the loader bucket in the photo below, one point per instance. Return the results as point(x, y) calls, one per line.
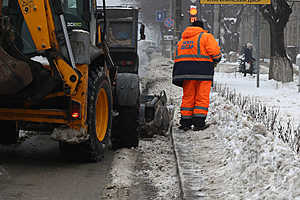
point(15, 74)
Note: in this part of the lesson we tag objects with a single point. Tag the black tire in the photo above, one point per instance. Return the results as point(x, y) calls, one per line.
point(94, 148)
point(125, 125)
point(9, 133)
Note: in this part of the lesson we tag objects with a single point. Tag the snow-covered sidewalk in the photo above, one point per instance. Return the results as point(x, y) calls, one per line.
point(285, 97)
point(237, 156)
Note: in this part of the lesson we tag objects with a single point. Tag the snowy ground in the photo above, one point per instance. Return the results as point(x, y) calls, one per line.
point(241, 158)
point(282, 96)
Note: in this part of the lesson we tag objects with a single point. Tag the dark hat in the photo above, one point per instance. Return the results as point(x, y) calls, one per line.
point(198, 23)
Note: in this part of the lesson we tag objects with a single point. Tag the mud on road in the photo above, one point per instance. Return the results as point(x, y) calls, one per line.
point(35, 170)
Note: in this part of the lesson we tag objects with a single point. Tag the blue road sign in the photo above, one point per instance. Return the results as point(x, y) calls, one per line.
point(160, 16)
point(169, 22)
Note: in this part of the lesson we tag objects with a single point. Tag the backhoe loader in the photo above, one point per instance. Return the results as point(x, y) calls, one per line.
point(57, 76)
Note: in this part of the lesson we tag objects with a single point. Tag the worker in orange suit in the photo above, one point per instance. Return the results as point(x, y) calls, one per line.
point(196, 55)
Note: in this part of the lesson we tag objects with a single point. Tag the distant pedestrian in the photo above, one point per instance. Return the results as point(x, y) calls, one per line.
point(243, 47)
point(196, 56)
point(249, 59)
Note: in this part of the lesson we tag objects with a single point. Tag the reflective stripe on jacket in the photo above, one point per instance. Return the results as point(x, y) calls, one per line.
point(194, 56)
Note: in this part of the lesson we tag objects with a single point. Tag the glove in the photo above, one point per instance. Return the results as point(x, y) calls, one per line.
point(215, 64)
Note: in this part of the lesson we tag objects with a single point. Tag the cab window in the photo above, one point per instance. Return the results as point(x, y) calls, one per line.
point(70, 6)
point(74, 12)
point(120, 33)
point(4, 3)
point(22, 37)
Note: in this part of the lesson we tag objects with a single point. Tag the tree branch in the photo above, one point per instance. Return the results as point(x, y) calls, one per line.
point(239, 16)
point(284, 12)
point(268, 13)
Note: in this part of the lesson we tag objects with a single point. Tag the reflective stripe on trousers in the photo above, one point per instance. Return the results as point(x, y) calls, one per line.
point(195, 99)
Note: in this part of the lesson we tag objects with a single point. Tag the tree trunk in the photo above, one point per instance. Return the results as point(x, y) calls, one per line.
point(281, 68)
point(227, 43)
point(277, 14)
point(235, 41)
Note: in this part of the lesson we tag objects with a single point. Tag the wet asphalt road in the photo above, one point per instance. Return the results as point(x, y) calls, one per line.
point(35, 170)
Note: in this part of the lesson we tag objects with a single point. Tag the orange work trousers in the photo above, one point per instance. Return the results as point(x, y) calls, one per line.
point(195, 99)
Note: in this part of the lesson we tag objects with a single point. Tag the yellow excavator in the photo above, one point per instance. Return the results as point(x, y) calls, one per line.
point(57, 76)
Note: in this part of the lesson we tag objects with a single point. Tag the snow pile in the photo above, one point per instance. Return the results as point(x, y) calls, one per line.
point(121, 175)
point(159, 168)
point(275, 96)
point(122, 171)
point(259, 165)
point(157, 158)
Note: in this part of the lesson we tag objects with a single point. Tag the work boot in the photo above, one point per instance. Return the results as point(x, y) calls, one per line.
point(185, 124)
point(199, 123)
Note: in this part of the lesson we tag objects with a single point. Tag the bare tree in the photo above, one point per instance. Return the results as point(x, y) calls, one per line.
point(231, 17)
point(277, 14)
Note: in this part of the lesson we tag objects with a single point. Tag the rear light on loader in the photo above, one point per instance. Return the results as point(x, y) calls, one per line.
point(76, 110)
point(75, 115)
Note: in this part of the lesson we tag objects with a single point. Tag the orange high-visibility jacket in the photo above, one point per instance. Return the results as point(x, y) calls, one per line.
point(195, 55)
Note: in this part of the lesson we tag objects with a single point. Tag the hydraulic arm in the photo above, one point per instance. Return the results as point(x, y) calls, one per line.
point(39, 18)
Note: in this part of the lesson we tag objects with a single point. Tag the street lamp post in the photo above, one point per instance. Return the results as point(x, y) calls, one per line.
point(257, 43)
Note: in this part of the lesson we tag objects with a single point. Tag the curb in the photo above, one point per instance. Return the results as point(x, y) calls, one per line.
point(177, 163)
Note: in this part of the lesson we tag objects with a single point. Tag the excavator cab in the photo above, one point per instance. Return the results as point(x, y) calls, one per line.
point(78, 14)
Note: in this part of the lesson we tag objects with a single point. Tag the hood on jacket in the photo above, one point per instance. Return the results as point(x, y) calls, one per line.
point(192, 31)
